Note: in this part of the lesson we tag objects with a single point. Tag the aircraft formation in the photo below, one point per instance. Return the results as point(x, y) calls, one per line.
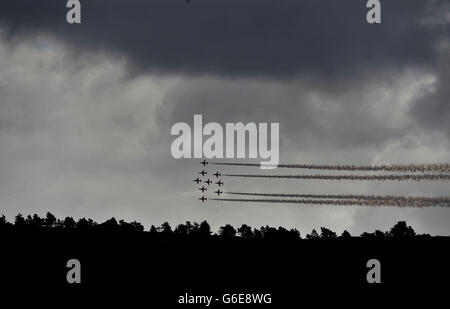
point(206, 182)
point(397, 172)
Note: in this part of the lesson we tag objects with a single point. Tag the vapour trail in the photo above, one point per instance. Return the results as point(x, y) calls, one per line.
point(413, 177)
point(371, 203)
point(413, 168)
point(348, 196)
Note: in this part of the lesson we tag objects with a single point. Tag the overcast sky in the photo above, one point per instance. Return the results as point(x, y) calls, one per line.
point(86, 110)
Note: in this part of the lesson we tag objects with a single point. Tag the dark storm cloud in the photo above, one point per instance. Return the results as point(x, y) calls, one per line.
point(266, 38)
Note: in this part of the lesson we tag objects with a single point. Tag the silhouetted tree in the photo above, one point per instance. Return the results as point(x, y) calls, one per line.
point(166, 229)
point(401, 230)
point(346, 235)
point(50, 220)
point(132, 227)
point(294, 234)
point(282, 233)
point(4, 224)
point(29, 220)
point(204, 230)
point(38, 221)
point(423, 235)
point(137, 226)
point(367, 235)
point(153, 231)
point(312, 235)
point(227, 231)
point(268, 232)
point(3, 220)
point(194, 230)
point(326, 233)
point(19, 221)
point(82, 224)
point(91, 223)
point(59, 223)
point(69, 223)
point(181, 230)
point(110, 225)
point(245, 231)
point(257, 234)
point(34, 221)
point(379, 234)
point(125, 226)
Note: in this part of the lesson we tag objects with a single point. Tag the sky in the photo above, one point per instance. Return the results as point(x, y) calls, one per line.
point(86, 109)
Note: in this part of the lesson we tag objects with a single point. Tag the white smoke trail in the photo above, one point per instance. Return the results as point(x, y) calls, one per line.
point(413, 168)
point(349, 197)
point(414, 177)
point(371, 203)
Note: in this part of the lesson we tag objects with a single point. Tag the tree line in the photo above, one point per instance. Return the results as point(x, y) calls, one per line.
point(191, 230)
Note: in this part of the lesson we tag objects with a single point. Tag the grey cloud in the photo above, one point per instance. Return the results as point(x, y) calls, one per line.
point(273, 39)
point(371, 112)
point(432, 107)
